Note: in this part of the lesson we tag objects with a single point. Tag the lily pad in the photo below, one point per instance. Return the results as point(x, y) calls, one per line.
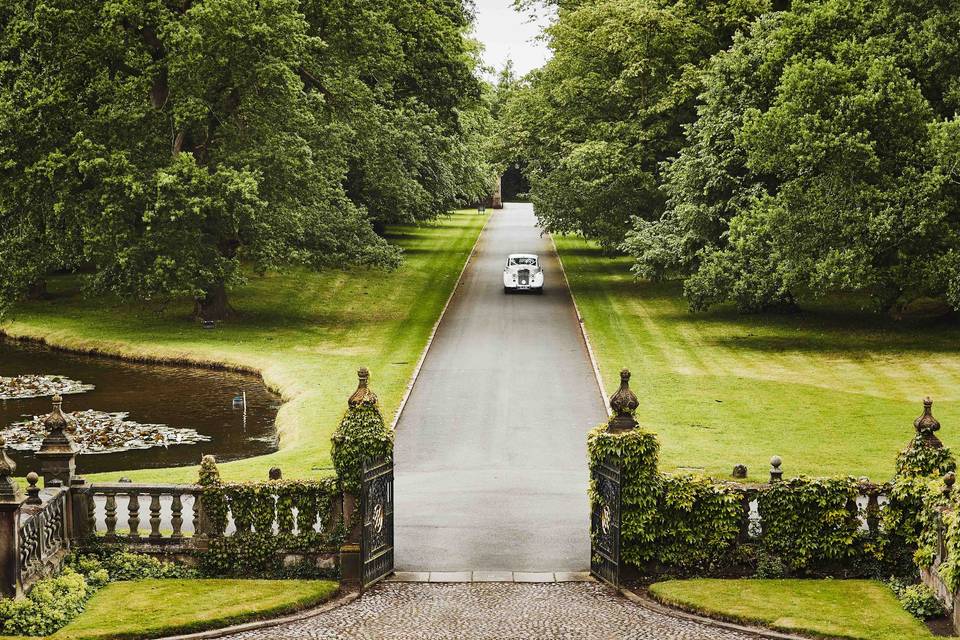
point(38, 386)
point(102, 432)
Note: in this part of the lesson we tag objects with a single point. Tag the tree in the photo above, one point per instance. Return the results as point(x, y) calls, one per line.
point(407, 91)
point(598, 119)
point(822, 160)
point(166, 145)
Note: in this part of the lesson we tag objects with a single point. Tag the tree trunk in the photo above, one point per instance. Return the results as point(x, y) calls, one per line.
point(37, 290)
point(379, 227)
point(213, 305)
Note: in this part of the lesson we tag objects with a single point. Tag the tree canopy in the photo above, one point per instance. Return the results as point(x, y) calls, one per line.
point(160, 145)
point(761, 151)
point(823, 159)
point(594, 124)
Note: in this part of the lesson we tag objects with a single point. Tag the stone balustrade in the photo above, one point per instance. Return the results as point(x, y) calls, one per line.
point(142, 514)
point(865, 507)
point(43, 537)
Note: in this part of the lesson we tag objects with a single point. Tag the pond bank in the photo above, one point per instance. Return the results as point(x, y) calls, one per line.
point(303, 333)
point(173, 413)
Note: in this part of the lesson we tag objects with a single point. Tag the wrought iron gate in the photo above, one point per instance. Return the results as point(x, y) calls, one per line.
point(605, 523)
point(376, 505)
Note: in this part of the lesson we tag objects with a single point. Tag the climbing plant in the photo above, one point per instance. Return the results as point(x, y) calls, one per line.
point(271, 519)
point(638, 452)
point(361, 435)
point(699, 522)
point(810, 520)
point(810, 526)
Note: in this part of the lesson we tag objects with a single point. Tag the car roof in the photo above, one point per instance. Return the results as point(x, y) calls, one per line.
point(522, 255)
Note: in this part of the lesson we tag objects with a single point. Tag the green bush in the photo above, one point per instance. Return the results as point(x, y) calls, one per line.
point(920, 601)
point(699, 522)
point(54, 602)
point(770, 567)
point(124, 565)
point(361, 435)
point(807, 521)
point(50, 605)
point(243, 556)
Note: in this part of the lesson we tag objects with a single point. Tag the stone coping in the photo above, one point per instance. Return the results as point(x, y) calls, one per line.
point(657, 607)
point(490, 576)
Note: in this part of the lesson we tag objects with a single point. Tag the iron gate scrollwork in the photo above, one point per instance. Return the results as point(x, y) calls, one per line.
point(376, 505)
point(605, 523)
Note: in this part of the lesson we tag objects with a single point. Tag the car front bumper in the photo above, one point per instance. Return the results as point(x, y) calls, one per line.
point(535, 282)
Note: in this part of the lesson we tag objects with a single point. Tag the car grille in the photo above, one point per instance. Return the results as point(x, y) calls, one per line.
point(523, 277)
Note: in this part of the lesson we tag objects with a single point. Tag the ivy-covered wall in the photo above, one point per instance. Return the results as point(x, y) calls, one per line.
point(692, 525)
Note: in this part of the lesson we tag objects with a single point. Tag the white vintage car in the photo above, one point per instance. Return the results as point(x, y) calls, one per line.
point(522, 273)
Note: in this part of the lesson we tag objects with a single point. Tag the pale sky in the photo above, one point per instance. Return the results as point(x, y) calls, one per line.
point(506, 33)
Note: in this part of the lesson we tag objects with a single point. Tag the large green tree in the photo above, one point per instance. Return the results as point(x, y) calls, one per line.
point(161, 145)
point(409, 93)
point(597, 120)
point(823, 159)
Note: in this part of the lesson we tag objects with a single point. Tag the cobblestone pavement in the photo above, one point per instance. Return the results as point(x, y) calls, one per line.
point(494, 611)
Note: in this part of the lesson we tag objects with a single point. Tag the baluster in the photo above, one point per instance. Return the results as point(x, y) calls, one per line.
point(176, 516)
point(873, 512)
point(133, 509)
point(198, 532)
point(745, 500)
point(155, 515)
point(111, 517)
point(333, 516)
point(91, 514)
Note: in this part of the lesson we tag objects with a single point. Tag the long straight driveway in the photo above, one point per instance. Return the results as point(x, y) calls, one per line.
point(491, 468)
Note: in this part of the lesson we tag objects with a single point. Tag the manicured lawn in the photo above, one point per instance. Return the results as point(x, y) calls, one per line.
point(307, 333)
point(856, 609)
point(832, 390)
point(155, 608)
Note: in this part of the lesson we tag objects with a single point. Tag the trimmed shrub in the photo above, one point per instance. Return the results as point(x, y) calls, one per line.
point(51, 604)
point(920, 601)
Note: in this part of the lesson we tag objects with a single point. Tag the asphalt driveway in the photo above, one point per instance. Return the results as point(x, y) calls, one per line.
point(491, 469)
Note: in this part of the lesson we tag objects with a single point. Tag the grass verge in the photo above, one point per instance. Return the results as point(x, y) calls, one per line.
point(157, 608)
point(306, 333)
point(833, 390)
point(854, 609)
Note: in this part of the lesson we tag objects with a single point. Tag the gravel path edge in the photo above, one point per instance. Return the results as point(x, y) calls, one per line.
point(329, 605)
point(658, 607)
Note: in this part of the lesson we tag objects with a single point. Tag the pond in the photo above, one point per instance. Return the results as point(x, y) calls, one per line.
point(181, 397)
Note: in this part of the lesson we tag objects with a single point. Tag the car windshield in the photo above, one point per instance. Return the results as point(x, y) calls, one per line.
point(529, 261)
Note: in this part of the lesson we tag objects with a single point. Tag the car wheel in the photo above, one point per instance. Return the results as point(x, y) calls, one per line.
point(540, 291)
point(506, 289)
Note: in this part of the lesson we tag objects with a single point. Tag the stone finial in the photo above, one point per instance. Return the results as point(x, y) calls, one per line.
point(949, 479)
point(58, 426)
point(740, 471)
point(33, 491)
point(776, 473)
point(57, 454)
point(9, 491)
point(926, 425)
point(623, 403)
point(275, 473)
point(363, 394)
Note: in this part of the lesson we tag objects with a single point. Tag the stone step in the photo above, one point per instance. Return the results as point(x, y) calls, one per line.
point(490, 576)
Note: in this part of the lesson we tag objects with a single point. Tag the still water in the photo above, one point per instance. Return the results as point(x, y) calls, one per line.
point(177, 396)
